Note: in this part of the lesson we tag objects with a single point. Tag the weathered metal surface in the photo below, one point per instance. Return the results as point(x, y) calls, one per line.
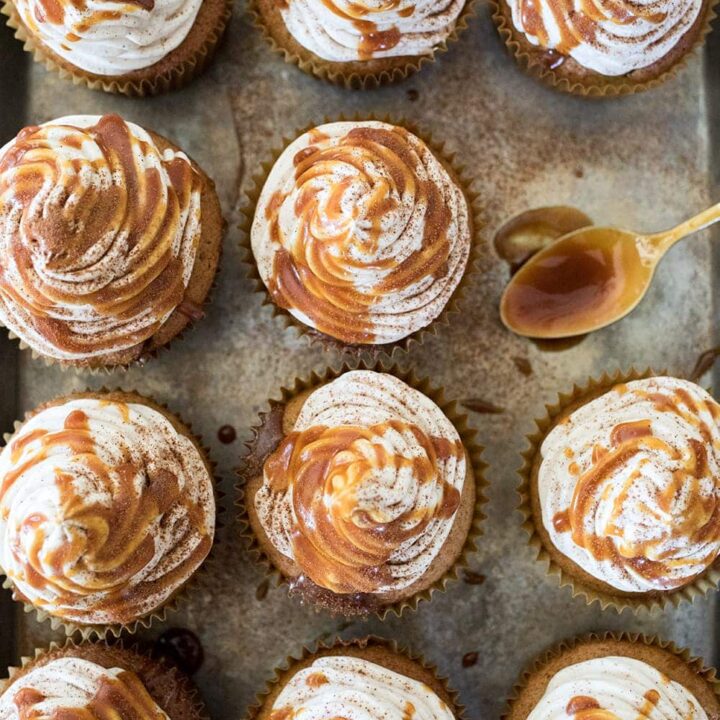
point(643, 162)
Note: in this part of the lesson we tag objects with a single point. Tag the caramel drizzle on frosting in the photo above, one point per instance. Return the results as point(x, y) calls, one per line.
point(69, 688)
point(95, 236)
point(339, 542)
point(700, 523)
point(53, 11)
point(105, 546)
point(581, 26)
point(315, 271)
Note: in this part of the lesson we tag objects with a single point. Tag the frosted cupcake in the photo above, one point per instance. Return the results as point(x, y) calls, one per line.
point(361, 493)
point(361, 233)
point(110, 238)
point(107, 510)
point(623, 493)
point(360, 44)
point(604, 49)
point(366, 679)
point(95, 681)
point(135, 47)
point(620, 677)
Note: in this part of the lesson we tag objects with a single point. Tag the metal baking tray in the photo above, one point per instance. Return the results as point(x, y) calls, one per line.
point(644, 162)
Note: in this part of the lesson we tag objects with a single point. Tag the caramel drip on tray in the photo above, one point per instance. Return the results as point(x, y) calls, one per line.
point(344, 534)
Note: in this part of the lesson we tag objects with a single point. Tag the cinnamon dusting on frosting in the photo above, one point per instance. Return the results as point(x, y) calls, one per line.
point(98, 231)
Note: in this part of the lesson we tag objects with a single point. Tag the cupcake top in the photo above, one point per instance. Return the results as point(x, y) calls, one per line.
point(616, 688)
point(345, 31)
point(629, 485)
point(76, 689)
point(109, 37)
point(609, 37)
point(361, 232)
point(99, 230)
point(356, 689)
point(106, 510)
point(363, 492)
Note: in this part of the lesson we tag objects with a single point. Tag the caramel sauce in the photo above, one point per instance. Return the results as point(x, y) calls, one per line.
point(704, 363)
point(470, 659)
point(374, 41)
point(576, 284)
point(316, 679)
point(529, 232)
point(339, 546)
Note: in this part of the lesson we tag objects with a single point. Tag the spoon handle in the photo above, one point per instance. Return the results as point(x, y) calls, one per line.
point(665, 240)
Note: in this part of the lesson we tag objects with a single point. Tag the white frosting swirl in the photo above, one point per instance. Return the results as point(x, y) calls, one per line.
point(629, 484)
point(616, 688)
point(360, 232)
point(353, 688)
point(78, 689)
point(99, 232)
point(105, 510)
point(391, 468)
point(110, 37)
point(609, 37)
point(344, 31)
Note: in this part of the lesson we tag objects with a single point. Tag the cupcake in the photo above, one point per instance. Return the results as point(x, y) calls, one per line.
point(625, 677)
point(135, 47)
point(360, 44)
point(361, 493)
point(607, 48)
point(98, 681)
point(357, 680)
point(622, 490)
point(107, 510)
point(361, 233)
point(110, 237)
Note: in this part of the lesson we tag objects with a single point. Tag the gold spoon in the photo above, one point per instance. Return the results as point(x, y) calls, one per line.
point(588, 278)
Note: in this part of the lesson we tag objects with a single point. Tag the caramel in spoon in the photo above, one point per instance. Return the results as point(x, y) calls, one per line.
point(588, 279)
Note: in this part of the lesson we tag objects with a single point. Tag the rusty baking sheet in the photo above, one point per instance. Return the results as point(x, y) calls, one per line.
point(643, 162)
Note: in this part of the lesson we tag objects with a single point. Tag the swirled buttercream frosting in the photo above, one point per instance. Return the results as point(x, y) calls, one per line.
point(75, 689)
point(363, 492)
point(615, 688)
point(629, 484)
point(360, 232)
point(356, 689)
point(609, 37)
point(109, 37)
point(99, 231)
point(345, 31)
point(105, 510)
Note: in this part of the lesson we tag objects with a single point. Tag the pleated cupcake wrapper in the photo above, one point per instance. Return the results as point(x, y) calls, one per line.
point(319, 647)
point(179, 679)
point(145, 357)
point(707, 581)
point(196, 581)
point(695, 664)
point(172, 79)
point(339, 74)
point(371, 352)
point(595, 85)
point(250, 465)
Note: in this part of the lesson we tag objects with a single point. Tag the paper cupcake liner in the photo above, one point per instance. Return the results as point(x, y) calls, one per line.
point(173, 78)
point(145, 356)
point(337, 645)
point(196, 581)
point(183, 685)
point(347, 74)
point(454, 305)
point(672, 598)
point(594, 85)
point(539, 666)
point(252, 465)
